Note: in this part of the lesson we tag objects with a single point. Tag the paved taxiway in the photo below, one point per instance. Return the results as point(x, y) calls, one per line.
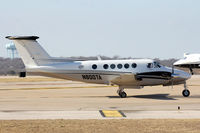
point(56, 99)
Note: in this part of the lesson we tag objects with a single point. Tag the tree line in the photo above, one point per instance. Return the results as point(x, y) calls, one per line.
point(15, 66)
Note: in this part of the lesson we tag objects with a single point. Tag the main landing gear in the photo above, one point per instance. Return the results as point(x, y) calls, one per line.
point(186, 92)
point(121, 92)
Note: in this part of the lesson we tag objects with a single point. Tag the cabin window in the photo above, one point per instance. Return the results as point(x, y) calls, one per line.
point(126, 65)
point(119, 66)
point(150, 65)
point(134, 65)
point(112, 66)
point(94, 66)
point(105, 66)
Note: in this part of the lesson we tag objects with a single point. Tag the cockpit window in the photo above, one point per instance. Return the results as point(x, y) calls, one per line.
point(150, 65)
point(156, 65)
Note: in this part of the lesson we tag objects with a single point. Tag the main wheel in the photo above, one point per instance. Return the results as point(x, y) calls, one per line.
point(186, 93)
point(123, 94)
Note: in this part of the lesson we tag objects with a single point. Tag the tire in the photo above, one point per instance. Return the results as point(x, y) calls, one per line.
point(186, 93)
point(123, 94)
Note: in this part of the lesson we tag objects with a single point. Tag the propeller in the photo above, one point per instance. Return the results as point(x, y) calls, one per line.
point(172, 77)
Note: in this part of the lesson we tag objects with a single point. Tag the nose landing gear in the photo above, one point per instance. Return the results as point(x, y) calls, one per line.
point(186, 92)
point(121, 92)
point(191, 71)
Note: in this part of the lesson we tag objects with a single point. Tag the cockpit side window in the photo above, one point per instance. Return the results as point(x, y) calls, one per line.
point(150, 65)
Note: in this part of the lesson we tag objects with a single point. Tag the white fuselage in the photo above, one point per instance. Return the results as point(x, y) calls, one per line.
point(111, 72)
point(189, 61)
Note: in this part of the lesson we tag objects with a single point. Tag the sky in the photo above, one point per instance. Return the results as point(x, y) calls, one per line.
point(127, 28)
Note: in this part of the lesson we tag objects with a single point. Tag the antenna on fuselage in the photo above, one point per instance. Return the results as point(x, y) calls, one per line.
point(99, 57)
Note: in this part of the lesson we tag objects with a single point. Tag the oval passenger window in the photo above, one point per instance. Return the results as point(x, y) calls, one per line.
point(94, 66)
point(134, 65)
point(112, 66)
point(119, 66)
point(105, 66)
point(126, 65)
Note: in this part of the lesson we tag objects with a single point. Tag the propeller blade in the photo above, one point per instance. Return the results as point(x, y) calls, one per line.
point(172, 78)
point(172, 85)
point(172, 69)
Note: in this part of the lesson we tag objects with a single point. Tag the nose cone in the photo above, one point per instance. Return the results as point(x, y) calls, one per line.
point(181, 75)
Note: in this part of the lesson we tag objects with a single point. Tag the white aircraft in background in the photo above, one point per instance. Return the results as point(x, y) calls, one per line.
point(190, 61)
point(132, 73)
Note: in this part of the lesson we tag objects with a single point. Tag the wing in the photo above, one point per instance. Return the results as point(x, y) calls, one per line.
point(127, 79)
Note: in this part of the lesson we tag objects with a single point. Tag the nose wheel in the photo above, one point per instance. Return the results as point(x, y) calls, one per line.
point(121, 92)
point(186, 92)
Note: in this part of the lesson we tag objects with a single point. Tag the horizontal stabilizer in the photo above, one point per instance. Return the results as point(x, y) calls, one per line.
point(22, 37)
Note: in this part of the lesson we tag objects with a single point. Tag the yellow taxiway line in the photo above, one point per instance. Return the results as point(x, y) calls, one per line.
point(111, 113)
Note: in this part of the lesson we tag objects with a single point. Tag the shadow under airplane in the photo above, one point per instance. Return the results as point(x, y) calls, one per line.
point(150, 96)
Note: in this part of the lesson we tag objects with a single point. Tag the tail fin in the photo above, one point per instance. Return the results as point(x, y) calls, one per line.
point(30, 50)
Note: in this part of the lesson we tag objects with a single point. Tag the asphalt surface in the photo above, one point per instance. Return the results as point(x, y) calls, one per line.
point(61, 99)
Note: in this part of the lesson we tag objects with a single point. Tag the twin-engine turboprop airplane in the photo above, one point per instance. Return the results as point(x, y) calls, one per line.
point(133, 73)
point(190, 61)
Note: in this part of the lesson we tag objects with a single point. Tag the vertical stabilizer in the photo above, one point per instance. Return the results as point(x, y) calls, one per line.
point(30, 50)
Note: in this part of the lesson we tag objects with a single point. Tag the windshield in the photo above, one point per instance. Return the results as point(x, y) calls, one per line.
point(153, 65)
point(156, 65)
